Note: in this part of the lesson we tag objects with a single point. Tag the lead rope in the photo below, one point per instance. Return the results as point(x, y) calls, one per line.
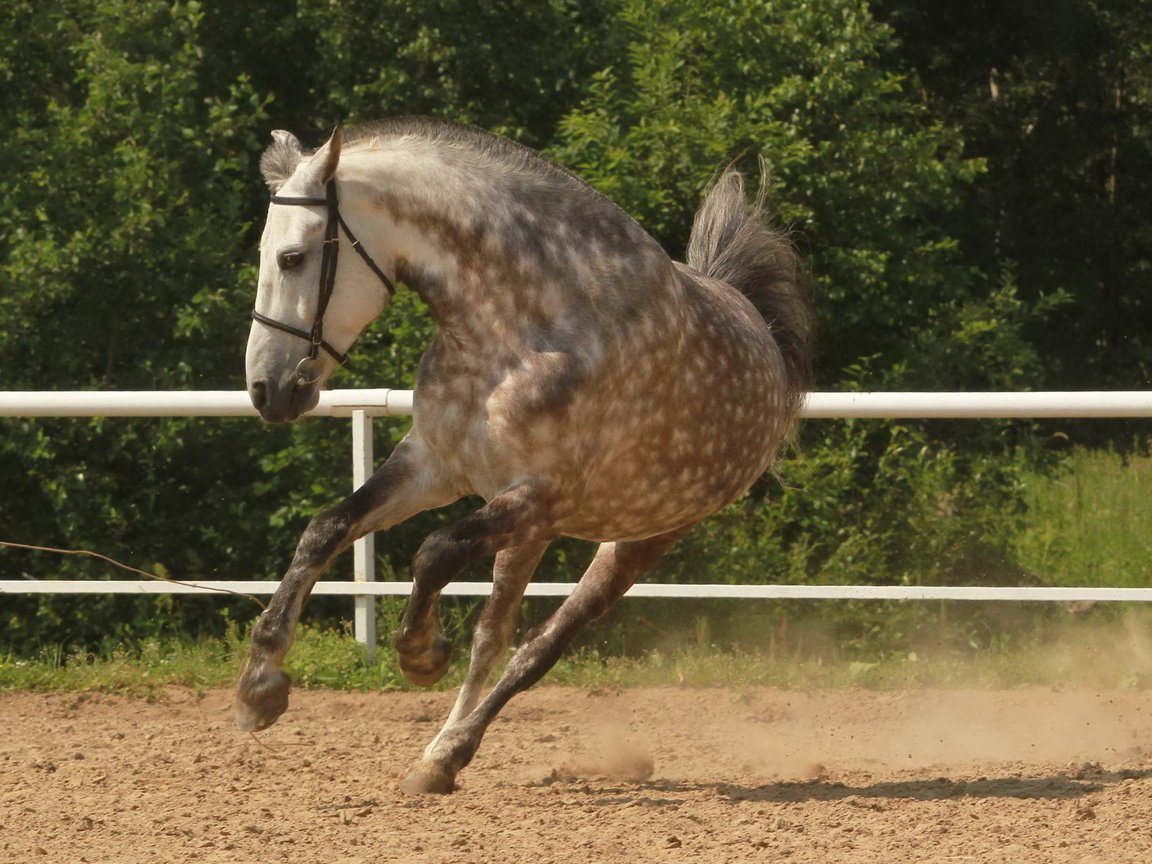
point(130, 569)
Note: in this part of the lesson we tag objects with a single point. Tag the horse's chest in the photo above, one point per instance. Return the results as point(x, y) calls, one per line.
point(470, 437)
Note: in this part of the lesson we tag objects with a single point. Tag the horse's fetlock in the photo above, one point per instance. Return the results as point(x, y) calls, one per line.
point(426, 665)
point(409, 641)
point(267, 641)
point(261, 696)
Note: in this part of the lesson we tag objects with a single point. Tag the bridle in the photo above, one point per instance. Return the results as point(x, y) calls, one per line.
point(328, 261)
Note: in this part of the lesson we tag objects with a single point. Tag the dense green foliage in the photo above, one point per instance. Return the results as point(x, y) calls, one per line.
point(1056, 98)
point(969, 185)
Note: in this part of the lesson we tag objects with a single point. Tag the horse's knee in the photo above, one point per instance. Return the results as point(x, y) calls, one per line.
point(442, 554)
point(447, 551)
point(327, 532)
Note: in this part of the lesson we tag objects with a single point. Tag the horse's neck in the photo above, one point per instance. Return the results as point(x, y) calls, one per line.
point(496, 255)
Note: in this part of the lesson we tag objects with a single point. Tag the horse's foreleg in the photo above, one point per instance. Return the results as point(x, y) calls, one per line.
point(496, 627)
point(402, 487)
point(516, 517)
point(613, 571)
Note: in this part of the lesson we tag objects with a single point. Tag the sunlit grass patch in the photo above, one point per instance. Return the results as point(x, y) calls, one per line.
point(1091, 523)
point(144, 670)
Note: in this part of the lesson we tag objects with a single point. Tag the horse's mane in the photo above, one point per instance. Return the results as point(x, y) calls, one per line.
point(371, 135)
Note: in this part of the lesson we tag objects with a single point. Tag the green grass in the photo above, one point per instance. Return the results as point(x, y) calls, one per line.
point(319, 659)
point(1100, 649)
point(1091, 523)
point(143, 671)
point(1109, 647)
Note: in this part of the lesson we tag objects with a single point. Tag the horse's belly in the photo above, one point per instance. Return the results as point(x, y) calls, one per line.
point(624, 523)
point(677, 460)
point(626, 487)
point(638, 499)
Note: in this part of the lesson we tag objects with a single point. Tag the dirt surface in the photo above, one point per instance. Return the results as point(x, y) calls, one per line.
point(759, 775)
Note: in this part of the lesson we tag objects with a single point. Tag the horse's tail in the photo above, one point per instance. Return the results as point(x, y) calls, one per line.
point(732, 241)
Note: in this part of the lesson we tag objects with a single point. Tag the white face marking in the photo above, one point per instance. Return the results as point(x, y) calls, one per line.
point(289, 288)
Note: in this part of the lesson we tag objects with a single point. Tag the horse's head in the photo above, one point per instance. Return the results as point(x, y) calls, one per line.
point(311, 302)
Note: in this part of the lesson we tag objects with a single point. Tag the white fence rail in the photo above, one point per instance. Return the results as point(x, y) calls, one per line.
point(976, 406)
point(383, 402)
point(189, 403)
point(362, 405)
point(563, 589)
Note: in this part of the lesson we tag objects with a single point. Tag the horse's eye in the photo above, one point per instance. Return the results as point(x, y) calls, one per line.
point(291, 260)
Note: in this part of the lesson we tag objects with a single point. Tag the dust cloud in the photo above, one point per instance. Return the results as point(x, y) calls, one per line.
point(1077, 697)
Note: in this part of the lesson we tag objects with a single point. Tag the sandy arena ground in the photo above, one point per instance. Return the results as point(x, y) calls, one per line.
point(758, 775)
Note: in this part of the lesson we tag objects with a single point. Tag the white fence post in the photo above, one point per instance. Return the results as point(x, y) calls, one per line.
point(364, 549)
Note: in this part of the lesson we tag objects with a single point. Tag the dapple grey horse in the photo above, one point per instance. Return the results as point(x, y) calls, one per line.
point(580, 382)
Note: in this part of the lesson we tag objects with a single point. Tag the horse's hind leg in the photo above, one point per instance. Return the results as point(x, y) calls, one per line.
point(405, 485)
point(516, 517)
point(613, 571)
point(496, 627)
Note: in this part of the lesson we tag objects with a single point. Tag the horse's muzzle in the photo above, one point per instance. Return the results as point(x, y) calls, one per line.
point(283, 403)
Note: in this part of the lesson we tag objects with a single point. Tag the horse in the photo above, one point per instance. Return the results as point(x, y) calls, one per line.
point(579, 382)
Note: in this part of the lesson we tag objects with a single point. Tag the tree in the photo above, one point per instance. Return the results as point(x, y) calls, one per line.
point(1055, 98)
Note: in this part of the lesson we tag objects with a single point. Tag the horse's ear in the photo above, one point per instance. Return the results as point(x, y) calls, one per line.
point(328, 156)
point(280, 159)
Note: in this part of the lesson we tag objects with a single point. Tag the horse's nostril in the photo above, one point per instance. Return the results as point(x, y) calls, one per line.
point(258, 392)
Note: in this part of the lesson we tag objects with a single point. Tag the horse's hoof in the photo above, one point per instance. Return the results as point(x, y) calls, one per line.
point(423, 779)
point(261, 697)
point(426, 668)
